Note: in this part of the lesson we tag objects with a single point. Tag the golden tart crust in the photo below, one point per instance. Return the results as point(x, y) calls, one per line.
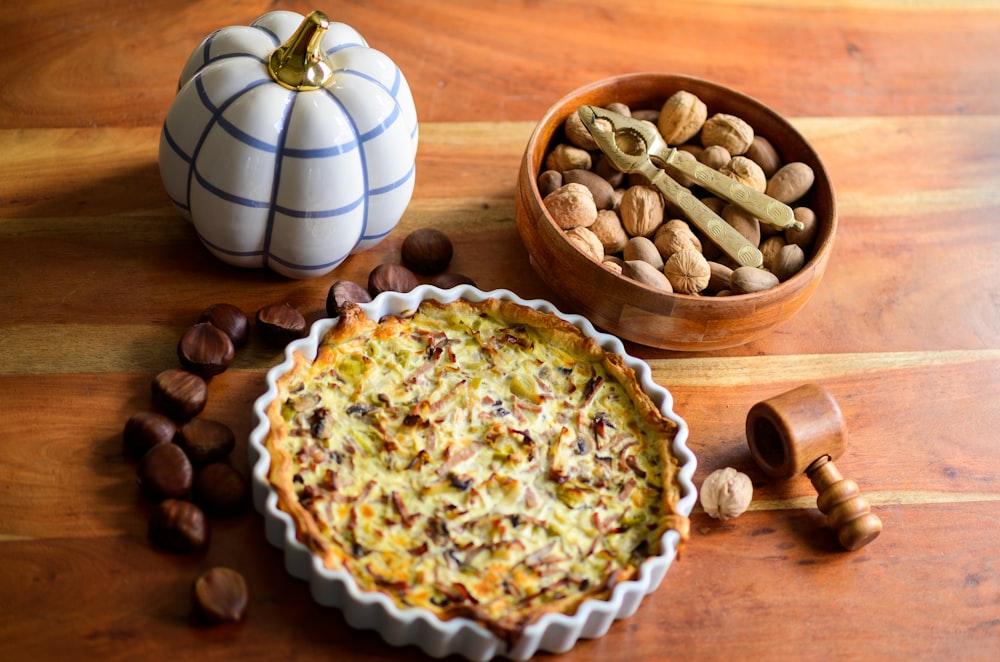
point(484, 460)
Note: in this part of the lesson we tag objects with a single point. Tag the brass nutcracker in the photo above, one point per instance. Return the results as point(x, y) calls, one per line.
point(632, 144)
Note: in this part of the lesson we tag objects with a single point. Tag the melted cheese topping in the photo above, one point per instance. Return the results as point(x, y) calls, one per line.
point(464, 462)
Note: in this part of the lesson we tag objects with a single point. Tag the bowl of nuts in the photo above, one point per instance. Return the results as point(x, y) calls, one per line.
point(717, 231)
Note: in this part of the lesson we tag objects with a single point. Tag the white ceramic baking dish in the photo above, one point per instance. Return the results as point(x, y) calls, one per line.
point(438, 638)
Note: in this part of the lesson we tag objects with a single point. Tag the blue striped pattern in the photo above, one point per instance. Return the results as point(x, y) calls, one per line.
point(218, 121)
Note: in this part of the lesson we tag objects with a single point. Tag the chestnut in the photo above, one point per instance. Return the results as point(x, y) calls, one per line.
point(220, 595)
point(280, 323)
point(166, 472)
point(391, 277)
point(344, 291)
point(205, 350)
point(146, 429)
point(426, 251)
point(204, 440)
point(229, 319)
point(179, 526)
point(179, 393)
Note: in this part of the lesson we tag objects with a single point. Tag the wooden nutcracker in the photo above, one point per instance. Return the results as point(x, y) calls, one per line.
point(802, 431)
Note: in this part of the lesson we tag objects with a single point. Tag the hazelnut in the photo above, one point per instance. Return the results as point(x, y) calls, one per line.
point(229, 319)
point(571, 206)
point(179, 526)
point(179, 394)
point(726, 493)
point(166, 472)
point(220, 595)
point(280, 323)
point(204, 440)
point(426, 251)
point(345, 291)
point(146, 429)
point(390, 277)
point(205, 350)
point(688, 271)
point(221, 490)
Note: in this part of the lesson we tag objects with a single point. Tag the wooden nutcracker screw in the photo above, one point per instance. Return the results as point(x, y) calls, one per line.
point(802, 431)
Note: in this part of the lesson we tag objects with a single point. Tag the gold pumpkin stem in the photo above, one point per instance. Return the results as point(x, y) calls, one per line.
point(299, 63)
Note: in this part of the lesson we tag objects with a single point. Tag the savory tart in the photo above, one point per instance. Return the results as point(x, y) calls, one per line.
point(475, 459)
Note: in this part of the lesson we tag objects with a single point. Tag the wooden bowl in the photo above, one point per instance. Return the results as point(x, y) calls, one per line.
point(640, 313)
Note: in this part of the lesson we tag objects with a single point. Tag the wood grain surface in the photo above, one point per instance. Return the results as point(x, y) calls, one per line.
point(901, 98)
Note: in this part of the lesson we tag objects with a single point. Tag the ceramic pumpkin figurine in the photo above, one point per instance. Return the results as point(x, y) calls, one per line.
point(290, 144)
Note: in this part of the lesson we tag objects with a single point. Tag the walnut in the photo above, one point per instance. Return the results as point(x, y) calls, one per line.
point(745, 171)
point(578, 133)
point(609, 229)
point(688, 271)
point(770, 248)
point(567, 157)
point(681, 117)
point(641, 211)
point(571, 206)
point(613, 264)
point(586, 242)
point(675, 235)
point(726, 493)
point(729, 131)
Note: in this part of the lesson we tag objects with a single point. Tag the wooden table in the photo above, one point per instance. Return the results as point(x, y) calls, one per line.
point(100, 276)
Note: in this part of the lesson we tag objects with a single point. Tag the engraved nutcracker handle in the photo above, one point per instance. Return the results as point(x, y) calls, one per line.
point(721, 233)
point(764, 207)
